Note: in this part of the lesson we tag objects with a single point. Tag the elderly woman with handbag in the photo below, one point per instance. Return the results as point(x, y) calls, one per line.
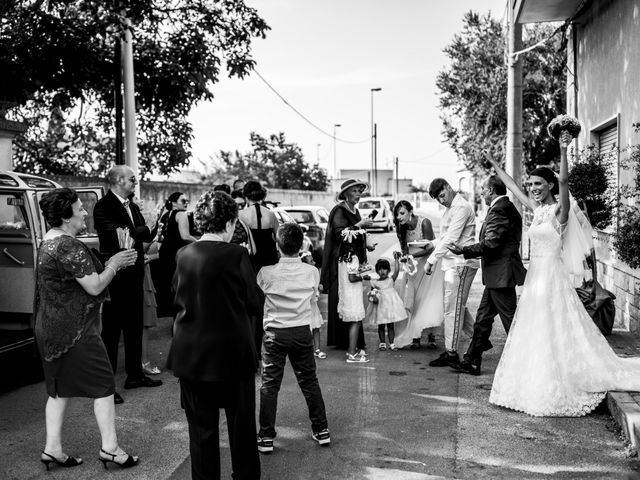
point(343, 216)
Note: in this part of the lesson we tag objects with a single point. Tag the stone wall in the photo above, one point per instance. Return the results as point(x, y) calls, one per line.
point(155, 193)
point(622, 281)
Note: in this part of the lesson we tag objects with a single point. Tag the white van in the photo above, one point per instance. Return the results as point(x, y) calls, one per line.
point(22, 227)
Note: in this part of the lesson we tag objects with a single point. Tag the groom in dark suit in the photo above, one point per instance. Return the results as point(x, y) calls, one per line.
point(502, 269)
point(124, 312)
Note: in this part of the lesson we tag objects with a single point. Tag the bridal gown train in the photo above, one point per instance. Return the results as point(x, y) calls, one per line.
point(555, 361)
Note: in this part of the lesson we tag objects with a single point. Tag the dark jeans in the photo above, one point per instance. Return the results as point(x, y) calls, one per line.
point(123, 315)
point(297, 344)
point(502, 301)
point(201, 402)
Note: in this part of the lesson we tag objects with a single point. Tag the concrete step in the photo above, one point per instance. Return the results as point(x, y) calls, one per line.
point(625, 406)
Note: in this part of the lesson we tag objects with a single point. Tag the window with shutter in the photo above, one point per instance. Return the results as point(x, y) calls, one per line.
point(608, 139)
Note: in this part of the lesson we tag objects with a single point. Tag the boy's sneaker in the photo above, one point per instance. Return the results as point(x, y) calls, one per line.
point(320, 354)
point(356, 359)
point(382, 346)
point(322, 437)
point(265, 444)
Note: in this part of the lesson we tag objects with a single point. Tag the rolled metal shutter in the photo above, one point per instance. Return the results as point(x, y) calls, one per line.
point(608, 138)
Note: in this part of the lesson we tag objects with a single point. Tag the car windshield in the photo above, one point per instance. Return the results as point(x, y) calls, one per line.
point(301, 216)
point(369, 204)
point(323, 215)
point(285, 217)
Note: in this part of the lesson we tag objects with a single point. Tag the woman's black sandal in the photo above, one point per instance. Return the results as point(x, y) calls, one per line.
point(69, 462)
point(127, 460)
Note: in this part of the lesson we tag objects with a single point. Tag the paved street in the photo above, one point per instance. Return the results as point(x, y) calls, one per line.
point(393, 418)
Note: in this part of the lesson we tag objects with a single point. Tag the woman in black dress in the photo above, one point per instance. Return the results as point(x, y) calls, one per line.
point(343, 215)
point(174, 234)
point(263, 225)
point(71, 285)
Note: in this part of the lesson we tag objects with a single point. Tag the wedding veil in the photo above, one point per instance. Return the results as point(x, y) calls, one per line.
point(577, 242)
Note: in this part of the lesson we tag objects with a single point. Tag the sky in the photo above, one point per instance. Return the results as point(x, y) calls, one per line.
point(323, 58)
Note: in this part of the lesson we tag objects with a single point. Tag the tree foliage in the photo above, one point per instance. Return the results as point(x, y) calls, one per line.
point(473, 93)
point(591, 184)
point(57, 59)
point(274, 162)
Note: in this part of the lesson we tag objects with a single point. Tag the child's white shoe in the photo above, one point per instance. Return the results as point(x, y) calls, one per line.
point(356, 358)
point(382, 346)
point(393, 347)
point(320, 354)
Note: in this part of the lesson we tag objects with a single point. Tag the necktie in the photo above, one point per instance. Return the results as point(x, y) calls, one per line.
point(126, 206)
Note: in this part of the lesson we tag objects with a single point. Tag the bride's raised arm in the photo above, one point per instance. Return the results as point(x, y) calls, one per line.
point(563, 178)
point(513, 186)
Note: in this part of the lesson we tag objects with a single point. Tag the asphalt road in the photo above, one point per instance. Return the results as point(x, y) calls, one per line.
point(393, 418)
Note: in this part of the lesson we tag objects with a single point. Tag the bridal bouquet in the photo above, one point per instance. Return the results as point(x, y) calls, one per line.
point(374, 295)
point(561, 123)
point(124, 238)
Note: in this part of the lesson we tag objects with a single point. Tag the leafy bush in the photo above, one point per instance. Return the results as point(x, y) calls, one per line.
point(626, 239)
point(590, 184)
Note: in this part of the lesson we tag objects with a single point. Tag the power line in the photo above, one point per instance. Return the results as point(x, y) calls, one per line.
point(304, 117)
point(426, 157)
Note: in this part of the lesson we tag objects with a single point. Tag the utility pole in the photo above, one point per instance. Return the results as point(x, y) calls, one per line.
point(117, 93)
point(335, 162)
point(513, 165)
point(374, 148)
point(395, 197)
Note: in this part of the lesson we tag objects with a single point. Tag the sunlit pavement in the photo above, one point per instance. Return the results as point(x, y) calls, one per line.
point(393, 418)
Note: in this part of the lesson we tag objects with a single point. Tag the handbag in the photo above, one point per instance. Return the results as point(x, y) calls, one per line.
point(598, 301)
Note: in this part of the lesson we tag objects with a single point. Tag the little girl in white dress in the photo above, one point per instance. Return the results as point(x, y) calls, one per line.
point(387, 307)
point(316, 317)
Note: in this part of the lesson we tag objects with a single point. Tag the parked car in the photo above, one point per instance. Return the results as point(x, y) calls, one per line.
point(22, 227)
point(383, 217)
point(316, 219)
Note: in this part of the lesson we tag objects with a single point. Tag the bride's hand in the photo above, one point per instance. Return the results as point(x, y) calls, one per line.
point(565, 139)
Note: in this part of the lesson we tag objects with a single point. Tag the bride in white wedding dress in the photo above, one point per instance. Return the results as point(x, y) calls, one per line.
point(555, 361)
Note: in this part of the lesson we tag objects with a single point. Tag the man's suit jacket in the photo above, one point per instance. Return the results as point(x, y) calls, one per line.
point(499, 246)
point(109, 214)
point(215, 336)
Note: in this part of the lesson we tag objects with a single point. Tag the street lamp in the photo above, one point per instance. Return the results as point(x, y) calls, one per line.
point(374, 147)
point(335, 164)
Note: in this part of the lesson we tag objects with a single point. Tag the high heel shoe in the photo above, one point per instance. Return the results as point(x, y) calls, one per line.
point(123, 459)
point(69, 462)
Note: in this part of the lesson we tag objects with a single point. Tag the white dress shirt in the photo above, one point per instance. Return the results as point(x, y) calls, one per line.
point(289, 287)
point(458, 226)
point(125, 203)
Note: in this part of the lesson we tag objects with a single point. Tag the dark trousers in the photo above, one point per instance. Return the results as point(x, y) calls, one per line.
point(297, 344)
point(495, 301)
point(124, 314)
point(202, 402)
point(337, 330)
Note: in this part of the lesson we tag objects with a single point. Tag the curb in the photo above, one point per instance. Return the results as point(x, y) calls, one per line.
point(623, 406)
point(625, 411)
